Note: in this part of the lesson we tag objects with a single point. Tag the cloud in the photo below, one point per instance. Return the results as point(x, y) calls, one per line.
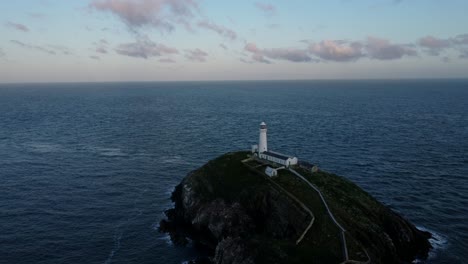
point(245, 61)
point(196, 55)
point(144, 48)
point(273, 26)
point(289, 54)
point(434, 45)
point(337, 50)
point(59, 49)
point(19, 27)
point(101, 50)
point(36, 15)
point(167, 60)
point(260, 58)
point(29, 46)
point(252, 47)
point(223, 31)
point(48, 49)
point(161, 14)
point(101, 46)
point(94, 57)
point(2, 54)
point(460, 39)
point(269, 9)
point(224, 47)
point(463, 54)
point(382, 49)
point(371, 48)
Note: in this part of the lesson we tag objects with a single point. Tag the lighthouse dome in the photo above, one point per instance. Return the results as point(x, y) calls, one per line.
point(263, 125)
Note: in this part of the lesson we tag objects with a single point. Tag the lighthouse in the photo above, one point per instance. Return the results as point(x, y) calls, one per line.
point(262, 141)
point(261, 151)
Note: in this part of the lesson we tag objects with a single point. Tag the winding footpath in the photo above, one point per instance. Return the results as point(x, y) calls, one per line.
point(343, 231)
point(281, 189)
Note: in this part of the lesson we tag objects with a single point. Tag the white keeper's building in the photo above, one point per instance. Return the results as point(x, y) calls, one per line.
point(262, 152)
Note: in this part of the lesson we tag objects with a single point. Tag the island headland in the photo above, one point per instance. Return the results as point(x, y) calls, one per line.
point(243, 208)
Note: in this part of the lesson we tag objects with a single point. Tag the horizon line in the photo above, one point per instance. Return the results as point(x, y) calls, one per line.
point(232, 80)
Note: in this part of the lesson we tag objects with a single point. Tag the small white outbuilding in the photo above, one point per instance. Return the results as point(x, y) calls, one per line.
point(271, 172)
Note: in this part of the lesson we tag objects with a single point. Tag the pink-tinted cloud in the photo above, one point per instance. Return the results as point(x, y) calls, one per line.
point(383, 49)
point(269, 9)
point(196, 55)
point(337, 50)
point(221, 30)
point(434, 45)
point(289, 54)
point(160, 14)
point(252, 47)
point(17, 26)
point(433, 42)
point(144, 48)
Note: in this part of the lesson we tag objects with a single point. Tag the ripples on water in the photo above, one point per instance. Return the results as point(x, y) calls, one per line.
point(86, 170)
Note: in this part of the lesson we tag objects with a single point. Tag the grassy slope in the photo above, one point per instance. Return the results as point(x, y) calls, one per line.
point(357, 211)
point(227, 178)
point(322, 242)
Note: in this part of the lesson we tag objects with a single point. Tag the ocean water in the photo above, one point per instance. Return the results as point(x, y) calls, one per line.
point(86, 170)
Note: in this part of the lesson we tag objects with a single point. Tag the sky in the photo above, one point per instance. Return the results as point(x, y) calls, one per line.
point(182, 40)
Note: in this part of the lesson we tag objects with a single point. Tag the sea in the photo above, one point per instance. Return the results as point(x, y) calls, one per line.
point(87, 169)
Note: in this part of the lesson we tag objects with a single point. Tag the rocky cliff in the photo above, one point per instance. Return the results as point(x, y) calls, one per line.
point(242, 216)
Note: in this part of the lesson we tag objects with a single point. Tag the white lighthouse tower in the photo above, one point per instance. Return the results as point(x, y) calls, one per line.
point(262, 153)
point(262, 141)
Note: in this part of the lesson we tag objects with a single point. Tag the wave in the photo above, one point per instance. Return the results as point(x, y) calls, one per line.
point(174, 159)
point(110, 152)
point(117, 238)
point(167, 239)
point(438, 242)
point(43, 147)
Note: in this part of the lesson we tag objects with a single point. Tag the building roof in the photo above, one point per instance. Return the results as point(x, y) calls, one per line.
point(276, 155)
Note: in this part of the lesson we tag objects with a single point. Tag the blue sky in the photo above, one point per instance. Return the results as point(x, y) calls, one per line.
point(160, 40)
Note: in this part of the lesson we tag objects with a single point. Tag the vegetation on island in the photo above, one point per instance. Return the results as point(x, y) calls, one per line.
point(232, 208)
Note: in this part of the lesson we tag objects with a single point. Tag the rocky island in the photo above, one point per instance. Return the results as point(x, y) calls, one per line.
point(232, 208)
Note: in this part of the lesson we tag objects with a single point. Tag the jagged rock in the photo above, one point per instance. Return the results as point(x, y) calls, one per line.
point(233, 251)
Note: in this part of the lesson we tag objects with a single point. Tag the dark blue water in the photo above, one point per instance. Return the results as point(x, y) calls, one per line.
point(86, 170)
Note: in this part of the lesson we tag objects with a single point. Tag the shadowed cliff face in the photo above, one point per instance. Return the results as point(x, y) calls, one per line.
point(242, 218)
